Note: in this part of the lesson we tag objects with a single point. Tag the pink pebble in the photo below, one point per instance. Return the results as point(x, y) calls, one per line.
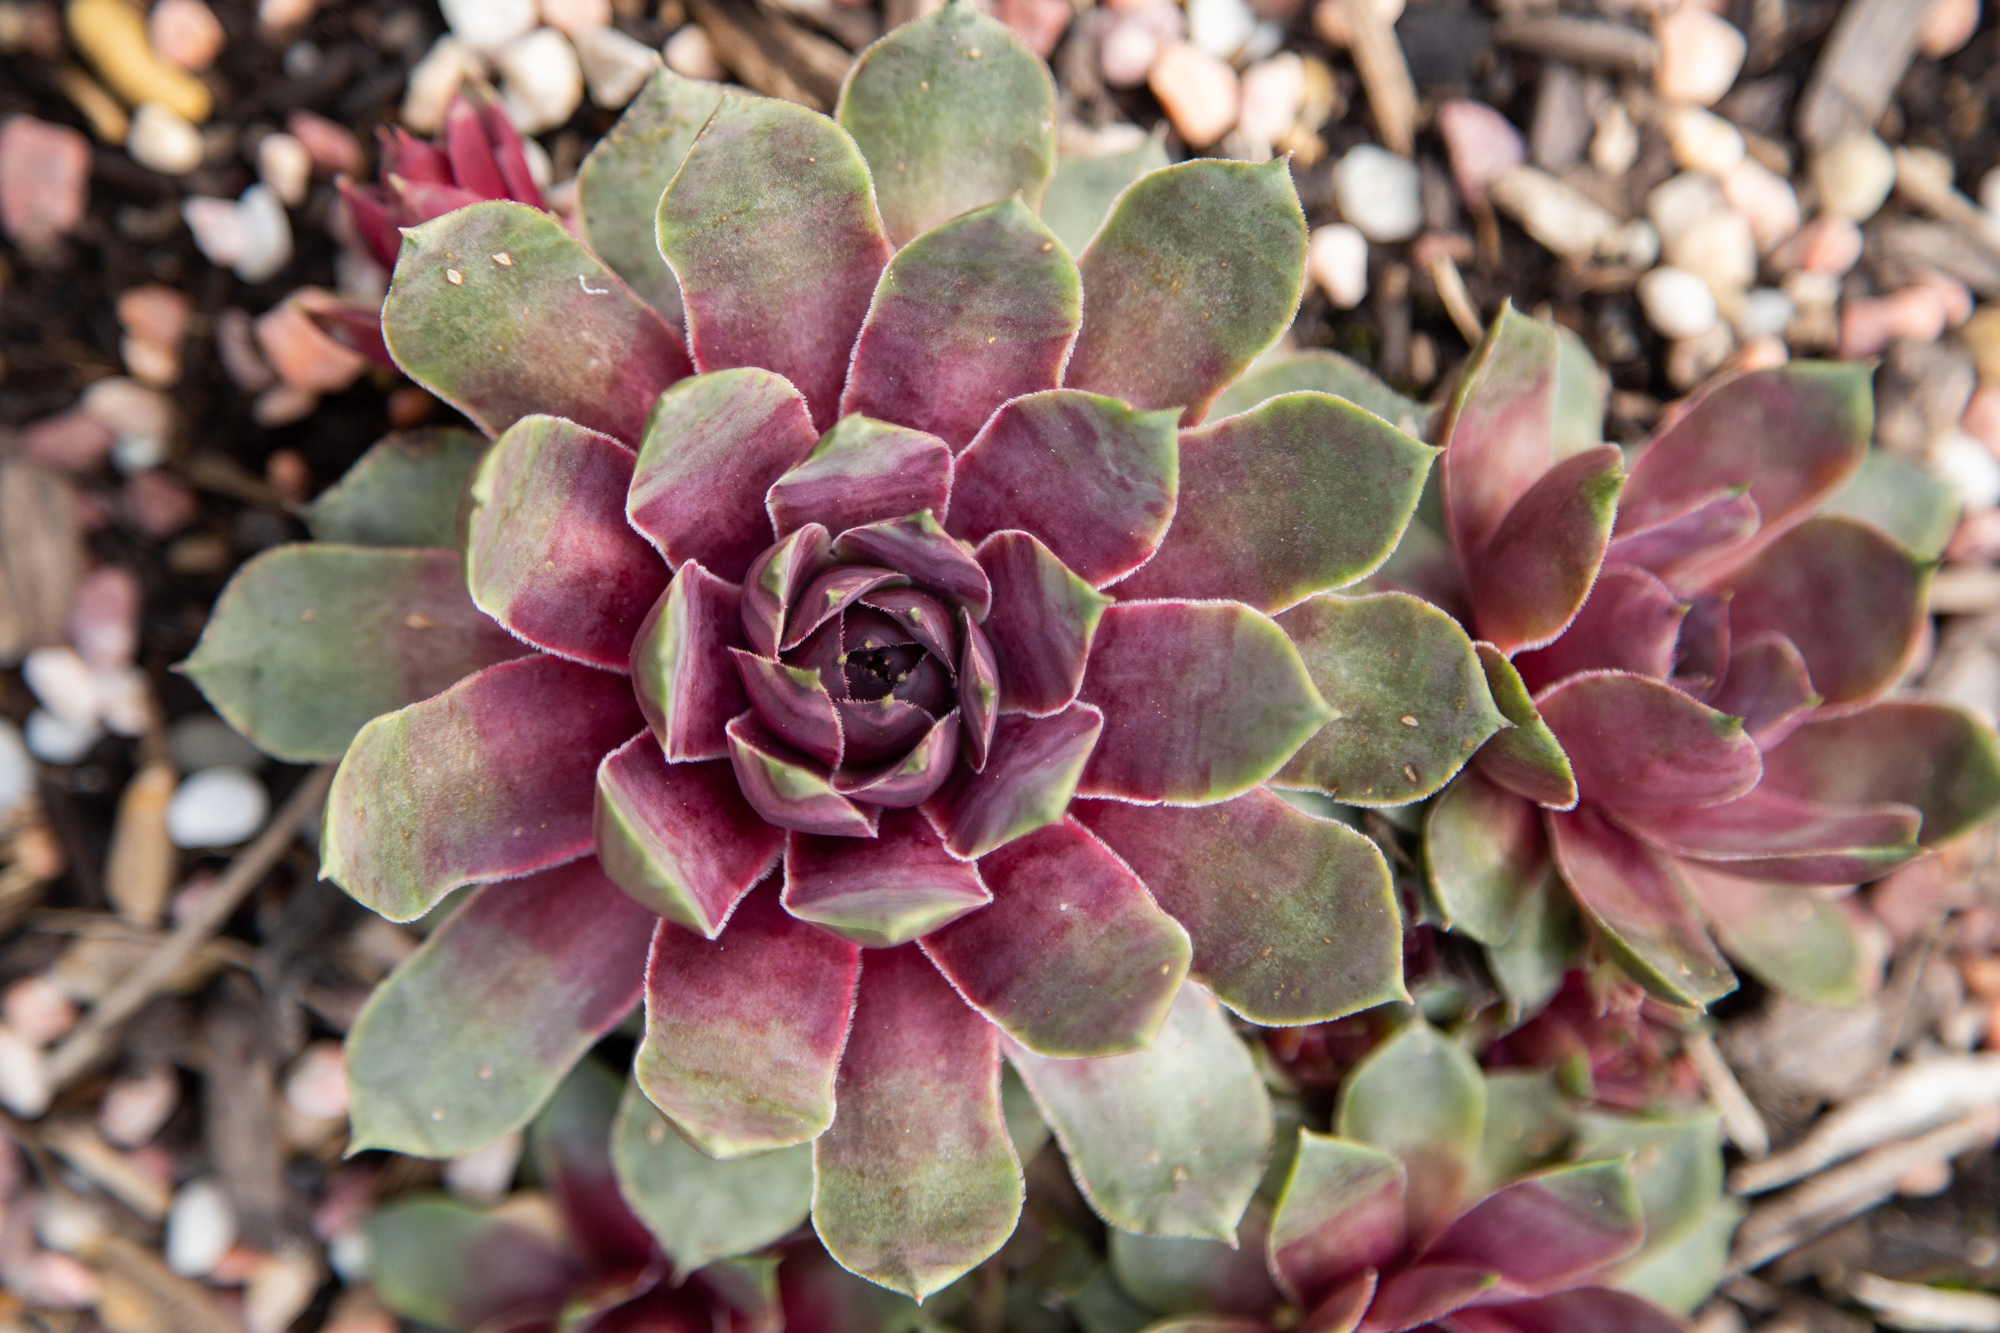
point(35, 1009)
point(157, 504)
point(154, 313)
point(333, 147)
point(104, 617)
point(316, 1086)
point(186, 33)
point(134, 1109)
point(1866, 327)
point(1956, 296)
point(1982, 416)
point(1482, 143)
point(1829, 244)
point(55, 1282)
point(301, 352)
point(1766, 198)
point(1946, 26)
point(1132, 37)
point(1761, 354)
point(1200, 93)
point(44, 181)
point(1039, 23)
point(71, 441)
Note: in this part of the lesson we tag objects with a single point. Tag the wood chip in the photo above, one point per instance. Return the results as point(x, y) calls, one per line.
point(1912, 1305)
point(1740, 1120)
point(139, 870)
point(107, 1168)
point(1965, 590)
point(41, 557)
point(772, 55)
point(1913, 246)
point(241, 1113)
point(1859, 67)
point(1594, 43)
point(1385, 74)
point(172, 1303)
point(1458, 302)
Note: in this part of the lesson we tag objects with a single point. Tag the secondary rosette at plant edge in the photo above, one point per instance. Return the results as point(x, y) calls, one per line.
point(906, 672)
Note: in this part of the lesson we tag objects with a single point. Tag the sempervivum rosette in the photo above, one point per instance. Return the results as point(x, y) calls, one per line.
point(906, 672)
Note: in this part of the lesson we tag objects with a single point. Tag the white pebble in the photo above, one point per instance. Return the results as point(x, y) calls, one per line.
point(1677, 303)
point(1765, 313)
point(484, 1175)
point(1681, 201)
point(25, 1088)
point(1721, 247)
point(488, 25)
point(63, 682)
point(1220, 27)
point(1563, 219)
point(279, 1289)
point(130, 410)
point(1703, 141)
point(1970, 467)
point(1380, 193)
point(135, 1109)
point(124, 700)
point(316, 1087)
point(17, 769)
point(66, 1223)
point(1700, 55)
point(1855, 176)
point(160, 140)
point(136, 453)
point(615, 67)
point(217, 807)
point(201, 1226)
point(435, 80)
point(542, 82)
point(59, 740)
point(1274, 90)
point(1614, 147)
point(1337, 261)
point(691, 54)
point(267, 235)
point(219, 230)
point(286, 165)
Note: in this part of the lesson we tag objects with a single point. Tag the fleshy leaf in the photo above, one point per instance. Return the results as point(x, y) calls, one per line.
point(1080, 195)
point(1072, 958)
point(1546, 944)
point(1498, 431)
point(882, 891)
point(1766, 835)
point(1582, 1217)
point(952, 112)
point(570, 1146)
point(1292, 917)
point(1419, 1297)
point(1317, 370)
point(619, 185)
point(862, 471)
point(831, 594)
point(489, 780)
point(978, 691)
point(309, 641)
point(1176, 1275)
point(436, 1260)
point(714, 445)
point(686, 684)
point(1167, 320)
point(1791, 434)
point(793, 703)
point(1676, 1164)
point(1584, 1310)
point(918, 545)
point(1582, 390)
point(1484, 853)
point(1850, 598)
point(1712, 529)
point(679, 838)
point(403, 492)
point(1933, 756)
point(1168, 1141)
point(977, 311)
point(1029, 777)
point(1791, 938)
point(499, 311)
point(471, 1034)
point(1420, 1097)
point(1089, 476)
point(1041, 624)
point(1538, 568)
point(1639, 744)
point(916, 1182)
point(790, 789)
point(743, 1034)
point(770, 226)
point(548, 553)
point(1527, 759)
point(699, 1209)
point(1911, 503)
point(1768, 686)
point(1349, 483)
point(1636, 898)
point(776, 580)
point(906, 782)
point(1340, 1212)
point(1529, 1124)
point(1201, 701)
point(1409, 698)
point(924, 618)
point(1630, 622)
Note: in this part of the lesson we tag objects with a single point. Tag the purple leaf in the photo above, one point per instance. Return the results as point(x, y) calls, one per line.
point(832, 593)
point(1030, 775)
point(770, 226)
point(1201, 702)
point(1527, 759)
point(789, 789)
point(1496, 435)
point(1712, 529)
point(500, 312)
point(905, 783)
point(570, 1142)
point(776, 579)
point(1072, 958)
point(916, 1181)
point(681, 669)
point(679, 837)
point(1293, 918)
point(744, 1033)
point(1484, 853)
point(1418, 1297)
point(977, 311)
point(1040, 626)
point(1766, 835)
point(1585, 1310)
point(1933, 756)
point(862, 471)
point(1639, 744)
point(1630, 622)
point(882, 891)
point(1538, 568)
point(877, 730)
point(1197, 270)
point(1635, 897)
point(918, 546)
point(1580, 1217)
point(490, 780)
point(978, 691)
point(924, 619)
point(1768, 686)
point(1349, 483)
point(1339, 1215)
point(548, 553)
point(1089, 476)
point(470, 1035)
point(714, 446)
point(793, 704)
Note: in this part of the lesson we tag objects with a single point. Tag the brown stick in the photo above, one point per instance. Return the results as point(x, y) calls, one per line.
point(245, 873)
point(1594, 43)
point(1385, 74)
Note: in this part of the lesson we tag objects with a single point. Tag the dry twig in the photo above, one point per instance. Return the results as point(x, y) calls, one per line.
point(1385, 74)
point(1740, 1120)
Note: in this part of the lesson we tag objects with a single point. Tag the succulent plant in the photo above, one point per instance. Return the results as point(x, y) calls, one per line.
point(1701, 669)
point(894, 672)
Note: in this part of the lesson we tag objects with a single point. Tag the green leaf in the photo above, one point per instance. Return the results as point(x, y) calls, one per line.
point(1175, 1275)
point(619, 185)
point(1676, 1165)
point(1341, 1212)
point(1528, 1124)
point(1680, 1276)
point(310, 642)
point(1546, 943)
point(1082, 191)
point(1795, 938)
point(1484, 853)
point(1912, 505)
point(699, 1209)
point(952, 112)
point(1317, 370)
point(1421, 1097)
point(435, 1260)
point(1409, 698)
point(1581, 387)
point(404, 491)
point(1527, 759)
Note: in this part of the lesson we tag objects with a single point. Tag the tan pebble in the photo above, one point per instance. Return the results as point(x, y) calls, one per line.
point(1337, 262)
point(1721, 247)
point(140, 869)
point(333, 147)
point(1868, 326)
point(278, 1290)
point(277, 17)
point(1700, 55)
point(1982, 335)
point(106, 115)
point(112, 36)
point(282, 406)
point(1829, 244)
point(1921, 1182)
point(288, 475)
point(186, 33)
point(1614, 146)
point(1855, 176)
point(1767, 199)
point(691, 54)
point(1761, 354)
point(435, 80)
point(286, 165)
point(161, 140)
point(1199, 92)
point(155, 313)
point(1955, 295)
point(1692, 360)
point(135, 1109)
point(1703, 141)
point(1947, 25)
point(302, 353)
point(573, 16)
point(150, 363)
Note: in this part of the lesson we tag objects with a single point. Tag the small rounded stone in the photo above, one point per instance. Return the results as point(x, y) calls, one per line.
point(1677, 303)
point(267, 235)
point(62, 681)
point(160, 140)
point(17, 769)
point(1481, 143)
point(1198, 90)
point(217, 807)
point(1855, 176)
point(1703, 141)
point(1947, 25)
point(690, 54)
point(1721, 247)
point(186, 33)
point(1700, 55)
point(1679, 202)
point(135, 1109)
point(59, 740)
point(1380, 193)
point(1337, 262)
point(1764, 313)
point(286, 165)
point(542, 82)
point(201, 1226)
point(1766, 198)
point(488, 25)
